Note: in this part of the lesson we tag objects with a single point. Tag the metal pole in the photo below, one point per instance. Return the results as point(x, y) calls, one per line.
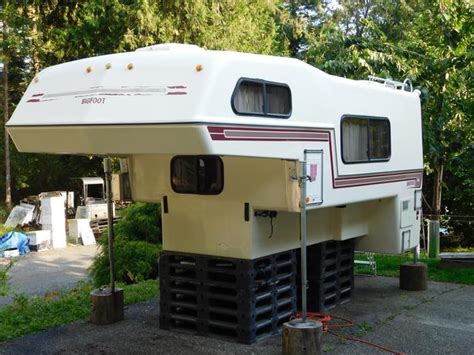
point(303, 230)
point(110, 220)
point(415, 254)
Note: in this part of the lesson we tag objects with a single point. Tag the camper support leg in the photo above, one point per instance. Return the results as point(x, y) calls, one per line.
point(302, 335)
point(110, 220)
point(303, 232)
point(107, 303)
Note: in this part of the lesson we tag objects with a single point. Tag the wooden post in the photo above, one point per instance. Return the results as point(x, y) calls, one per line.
point(302, 337)
point(107, 307)
point(413, 276)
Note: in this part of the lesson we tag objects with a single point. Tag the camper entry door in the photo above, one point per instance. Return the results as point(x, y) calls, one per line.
point(314, 178)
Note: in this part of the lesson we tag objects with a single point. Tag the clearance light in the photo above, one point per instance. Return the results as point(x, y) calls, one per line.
point(108, 66)
point(198, 67)
point(88, 69)
point(130, 66)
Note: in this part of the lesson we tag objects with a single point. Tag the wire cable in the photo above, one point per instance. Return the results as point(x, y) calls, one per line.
point(325, 319)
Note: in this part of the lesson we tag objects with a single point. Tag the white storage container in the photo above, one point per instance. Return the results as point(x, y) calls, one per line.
point(53, 218)
point(80, 231)
point(39, 240)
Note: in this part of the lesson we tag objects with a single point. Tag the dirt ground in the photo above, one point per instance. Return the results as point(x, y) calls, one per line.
point(439, 320)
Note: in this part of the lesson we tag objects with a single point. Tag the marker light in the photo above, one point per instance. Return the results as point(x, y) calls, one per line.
point(108, 66)
point(130, 66)
point(198, 67)
point(88, 69)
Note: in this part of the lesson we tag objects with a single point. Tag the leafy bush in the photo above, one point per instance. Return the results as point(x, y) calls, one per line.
point(136, 248)
point(135, 261)
point(141, 221)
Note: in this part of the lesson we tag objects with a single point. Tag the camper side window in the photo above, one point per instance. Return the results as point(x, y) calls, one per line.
point(194, 174)
point(261, 98)
point(365, 139)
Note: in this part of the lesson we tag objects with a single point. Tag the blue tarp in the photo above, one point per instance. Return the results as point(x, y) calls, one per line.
point(14, 240)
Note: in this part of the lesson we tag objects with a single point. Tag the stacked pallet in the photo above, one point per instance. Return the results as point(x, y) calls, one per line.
point(236, 299)
point(330, 274)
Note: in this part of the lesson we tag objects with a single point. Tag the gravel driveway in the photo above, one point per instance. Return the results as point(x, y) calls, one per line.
point(42, 272)
point(439, 320)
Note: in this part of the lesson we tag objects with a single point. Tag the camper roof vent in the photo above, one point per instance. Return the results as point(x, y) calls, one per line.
point(175, 47)
point(406, 85)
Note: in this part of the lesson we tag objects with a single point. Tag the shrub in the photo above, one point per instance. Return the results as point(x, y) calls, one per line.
point(136, 248)
point(135, 261)
point(141, 221)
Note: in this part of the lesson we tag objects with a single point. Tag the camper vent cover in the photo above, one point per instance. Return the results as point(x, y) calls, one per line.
point(175, 47)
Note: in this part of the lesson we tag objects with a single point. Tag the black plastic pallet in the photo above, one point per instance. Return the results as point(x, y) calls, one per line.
point(235, 299)
point(330, 271)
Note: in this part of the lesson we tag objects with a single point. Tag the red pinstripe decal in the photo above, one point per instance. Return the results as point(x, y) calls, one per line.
point(223, 133)
point(263, 134)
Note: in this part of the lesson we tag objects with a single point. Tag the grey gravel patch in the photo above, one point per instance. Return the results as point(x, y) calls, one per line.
point(39, 273)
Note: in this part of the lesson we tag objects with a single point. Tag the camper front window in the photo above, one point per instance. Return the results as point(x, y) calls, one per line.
point(255, 97)
point(365, 139)
point(249, 98)
point(197, 174)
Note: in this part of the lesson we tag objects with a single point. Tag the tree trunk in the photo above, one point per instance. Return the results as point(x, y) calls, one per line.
point(437, 188)
point(8, 190)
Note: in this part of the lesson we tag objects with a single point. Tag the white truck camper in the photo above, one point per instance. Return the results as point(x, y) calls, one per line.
point(217, 138)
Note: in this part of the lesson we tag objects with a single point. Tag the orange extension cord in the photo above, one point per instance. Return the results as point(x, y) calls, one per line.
point(325, 319)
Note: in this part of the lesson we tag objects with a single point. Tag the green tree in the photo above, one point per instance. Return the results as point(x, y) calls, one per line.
point(428, 42)
point(443, 34)
point(14, 49)
point(52, 32)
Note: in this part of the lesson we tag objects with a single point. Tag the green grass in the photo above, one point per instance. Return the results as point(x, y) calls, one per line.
point(459, 250)
point(389, 265)
point(29, 315)
point(4, 230)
